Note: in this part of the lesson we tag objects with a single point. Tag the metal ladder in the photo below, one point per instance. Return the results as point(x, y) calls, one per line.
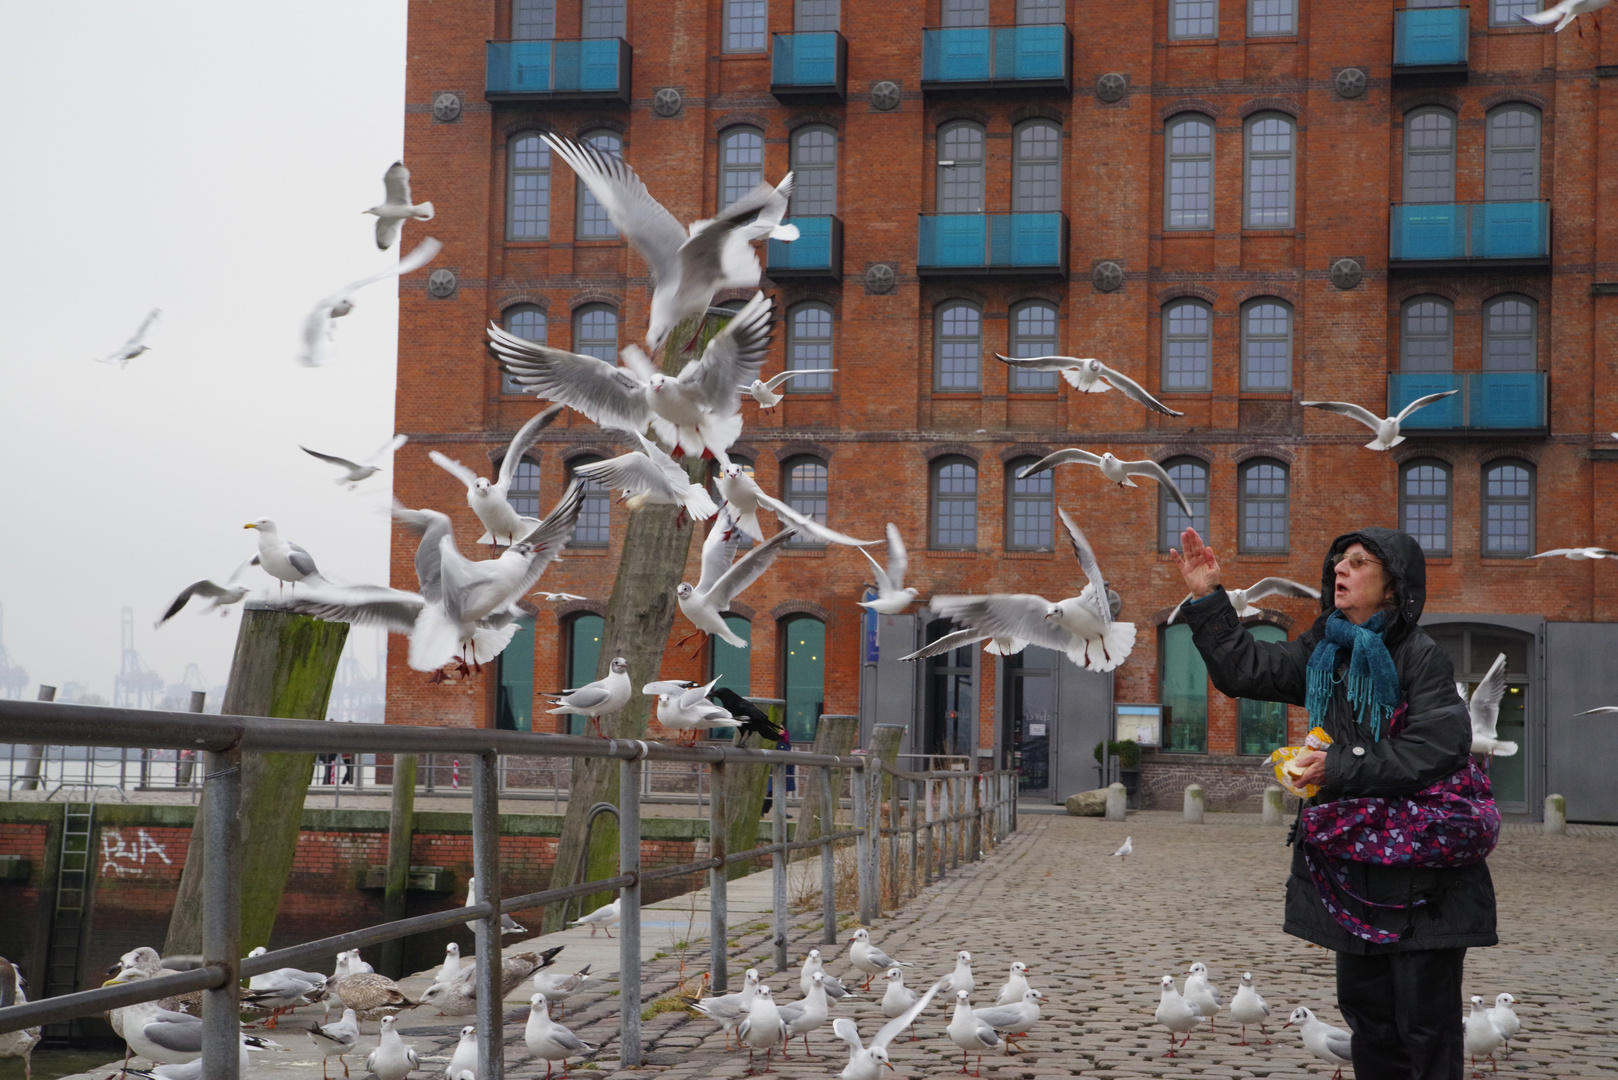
point(72, 897)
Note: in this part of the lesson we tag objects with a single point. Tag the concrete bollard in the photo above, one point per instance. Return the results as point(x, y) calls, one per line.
point(1273, 813)
point(1193, 804)
point(1555, 814)
point(1116, 797)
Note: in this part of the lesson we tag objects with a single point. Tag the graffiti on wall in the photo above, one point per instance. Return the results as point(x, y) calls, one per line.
point(122, 856)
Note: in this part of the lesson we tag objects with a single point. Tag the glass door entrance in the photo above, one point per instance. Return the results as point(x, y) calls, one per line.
point(1029, 718)
point(1472, 651)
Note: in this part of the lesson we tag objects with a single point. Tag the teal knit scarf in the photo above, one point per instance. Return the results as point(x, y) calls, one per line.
point(1372, 680)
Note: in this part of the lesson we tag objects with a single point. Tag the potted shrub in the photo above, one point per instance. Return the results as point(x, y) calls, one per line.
point(1127, 753)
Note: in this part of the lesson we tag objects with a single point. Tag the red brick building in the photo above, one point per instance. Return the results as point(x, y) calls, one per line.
point(1242, 204)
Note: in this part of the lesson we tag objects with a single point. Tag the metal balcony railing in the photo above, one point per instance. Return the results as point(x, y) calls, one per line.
point(1488, 400)
point(1456, 232)
point(974, 810)
point(992, 243)
point(585, 69)
point(816, 253)
point(809, 67)
point(1430, 38)
point(987, 57)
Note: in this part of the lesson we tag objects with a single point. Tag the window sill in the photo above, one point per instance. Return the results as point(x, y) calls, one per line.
point(1265, 395)
point(1186, 395)
point(1180, 43)
point(1486, 559)
point(953, 553)
point(957, 395)
point(1189, 234)
point(1274, 39)
point(803, 552)
point(1032, 395)
point(585, 552)
point(761, 54)
point(1264, 557)
point(529, 242)
point(1031, 556)
point(1279, 230)
point(811, 395)
point(597, 241)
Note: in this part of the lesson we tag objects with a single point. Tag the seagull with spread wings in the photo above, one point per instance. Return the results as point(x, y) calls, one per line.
point(648, 475)
point(355, 471)
point(696, 412)
point(320, 325)
point(724, 577)
point(1484, 707)
point(744, 497)
point(1119, 472)
point(396, 208)
point(1089, 376)
point(1577, 554)
point(1242, 599)
point(1386, 428)
point(136, 344)
point(891, 595)
point(1564, 13)
point(688, 267)
point(220, 595)
point(764, 392)
point(490, 502)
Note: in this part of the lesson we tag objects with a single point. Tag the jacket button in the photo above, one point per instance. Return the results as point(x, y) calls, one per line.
point(1359, 751)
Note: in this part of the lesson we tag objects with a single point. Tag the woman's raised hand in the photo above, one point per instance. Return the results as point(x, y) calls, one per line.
point(1197, 563)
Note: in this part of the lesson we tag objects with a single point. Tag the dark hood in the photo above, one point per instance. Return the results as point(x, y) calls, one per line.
point(1403, 558)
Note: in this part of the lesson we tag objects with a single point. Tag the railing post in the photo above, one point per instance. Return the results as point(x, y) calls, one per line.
point(629, 1003)
point(860, 781)
point(975, 783)
point(927, 792)
point(486, 863)
point(718, 930)
point(401, 828)
point(828, 860)
point(910, 789)
point(893, 840)
point(222, 913)
point(946, 799)
point(778, 862)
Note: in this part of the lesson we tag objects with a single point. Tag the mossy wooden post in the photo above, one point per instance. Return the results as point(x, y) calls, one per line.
point(834, 735)
point(401, 827)
point(744, 798)
point(885, 739)
point(640, 614)
point(284, 667)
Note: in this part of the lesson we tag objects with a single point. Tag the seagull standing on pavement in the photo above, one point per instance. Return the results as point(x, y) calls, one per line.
point(596, 699)
point(961, 977)
point(1126, 849)
point(136, 344)
point(508, 925)
point(490, 502)
point(549, 1040)
point(336, 1040)
point(605, 916)
point(465, 1057)
point(898, 999)
point(892, 598)
point(866, 1062)
point(1201, 993)
point(1242, 599)
point(1114, 469)
point(813, 965)
point(1248, 1008)
point(392, 1059)
point(1386, 428)
point(558, 986)
point(355, 471)
point(1329, 1044)
point(729, 1010)
point(452, 962)
point(1089, 376)
point(722, 580)
point(1013, 1021)
point(1482, 1037)
point(1504, 1017)
point(969, 1032)
point(1177, 1014)
point(320, 325)
point(1484, 707)
point(764, 392)
point(395, 208)
point(868, 958)
point(762, 1028)
point(802, 1017)
point(1015, 986)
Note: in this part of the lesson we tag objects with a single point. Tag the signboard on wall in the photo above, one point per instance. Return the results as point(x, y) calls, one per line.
point(1140, 723)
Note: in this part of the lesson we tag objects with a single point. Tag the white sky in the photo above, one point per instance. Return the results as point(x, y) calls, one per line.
point(210, 159)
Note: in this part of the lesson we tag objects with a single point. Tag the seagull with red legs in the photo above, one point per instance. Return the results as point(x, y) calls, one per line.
point(724, 577)
point(596, 699)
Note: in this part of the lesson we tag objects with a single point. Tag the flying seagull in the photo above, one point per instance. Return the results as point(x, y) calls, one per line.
point(1242, 599)
point(136, 344)
point(1387, 430)
point(1119, 472)
point(687, 268)
point(765, 392)
point(1565, 12)
point(1090, 376)
point(722, 580)
point(744, 497)
point(395, 210)
point(1577, 554)
point(1484, 707)
point(320, 325)
point(891, 595)
point(355, 471)
point(220, 595)
point(490, 502)
point(648, 475)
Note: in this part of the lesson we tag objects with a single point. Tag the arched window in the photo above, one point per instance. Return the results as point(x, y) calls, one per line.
point(1033, 333)
point(1269, 172)
point(747, 24)
point(815, 16)
point(955, 504)
point(1030, 508)
point(523, 495)
point(960, 169)
point(1189, 204)
point(1187, 345)
point(528, 194)
point(595, 511)
point(1266, 345)
point(526, 321)
point(1511, 143)
point(1262, 502)
point(594, 224)
point(514, 680)
point(965, 12)
point(814, 172)
point(733, 667)
point(1036, 168)
point(581, 652)
point(741, 163)
point(1261, 726)
point(604, 18)
point(1427, 342)
point(533, 20)
point(958, 349)
point(1272, 17)
point(1508, 509)
point(1184, 691)
point(1190, 475)
point(1193, 18)
point(1424, 504)
point(804, 488)
point(803, 660)
point(809, 347)
point(1429, 164)
point(595, 332)
point(1510, 334)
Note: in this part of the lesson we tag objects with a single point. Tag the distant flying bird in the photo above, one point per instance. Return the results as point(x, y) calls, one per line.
point(1119, 472)
point(220, 595)
point(1387, 429)
point(764, 393)
point(355, 470)
point(395, 210)
point(687, 268)
point(1565, 12)
point(891, 595)
point(695, 412)
point(1484, 707)
point(1577, 554)
point(320, 325)
point(490, 502)
point(136, 344)
point(557, 597)
point(1598, 709)
point(1242, 599)
point(282, 559)
point(648, 475)
point(1090, 376)
point(722, 580)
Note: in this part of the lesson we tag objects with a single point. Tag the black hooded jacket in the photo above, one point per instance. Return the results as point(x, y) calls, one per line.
point(1434, 742)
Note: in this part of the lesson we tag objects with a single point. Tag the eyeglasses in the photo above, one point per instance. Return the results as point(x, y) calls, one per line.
point(1356, 560)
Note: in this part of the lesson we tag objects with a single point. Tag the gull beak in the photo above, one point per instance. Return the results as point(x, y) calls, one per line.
point(249, 526)
point(1287, 1024)
point(889, 1064)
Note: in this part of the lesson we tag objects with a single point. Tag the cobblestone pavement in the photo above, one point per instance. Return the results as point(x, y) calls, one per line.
point(1100, 932)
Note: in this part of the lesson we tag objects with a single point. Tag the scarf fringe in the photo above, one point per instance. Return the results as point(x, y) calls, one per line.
point(1371, 703)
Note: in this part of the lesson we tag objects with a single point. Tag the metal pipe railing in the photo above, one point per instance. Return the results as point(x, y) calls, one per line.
point(221, 740)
